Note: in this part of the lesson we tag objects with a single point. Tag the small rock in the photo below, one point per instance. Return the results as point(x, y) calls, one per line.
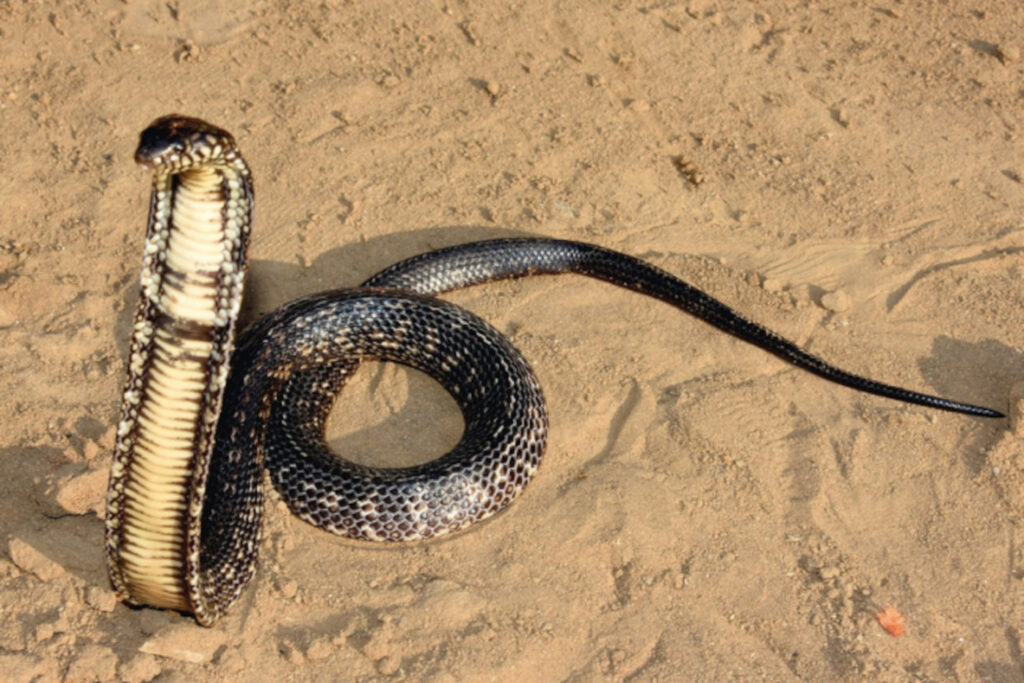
point(30, 560)
point(8, 316)
point(774, 285)
point(139, 669)
point(92, 450)
point(80, 491)
point(107, 439)
point(44, 632)
point(290, 589)
point(93, 663)
point(493, 88)
point(319, 649)
point(470, 33)
point(292, 654)
point(837, 301)
point(185, 642)
point(1007, 53)
point(102, 599)
point(25, 667)
point(829, 573)
point(388, 665)
point(842, 117)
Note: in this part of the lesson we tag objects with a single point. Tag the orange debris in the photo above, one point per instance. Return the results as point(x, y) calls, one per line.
point(892, 621)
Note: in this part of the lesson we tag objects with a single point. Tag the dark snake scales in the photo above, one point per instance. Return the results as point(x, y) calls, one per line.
point(185, 505)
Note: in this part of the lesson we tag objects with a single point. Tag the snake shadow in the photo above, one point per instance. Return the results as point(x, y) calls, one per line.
point(272, 283)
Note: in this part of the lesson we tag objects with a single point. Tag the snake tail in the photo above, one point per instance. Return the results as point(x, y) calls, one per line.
point(464, 265)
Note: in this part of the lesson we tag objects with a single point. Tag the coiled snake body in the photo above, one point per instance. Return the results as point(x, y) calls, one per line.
point(184, 504)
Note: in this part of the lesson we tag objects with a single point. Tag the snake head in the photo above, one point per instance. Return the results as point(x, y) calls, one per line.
point(176, 143)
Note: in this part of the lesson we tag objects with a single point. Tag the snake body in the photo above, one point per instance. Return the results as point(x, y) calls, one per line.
point(184, 505)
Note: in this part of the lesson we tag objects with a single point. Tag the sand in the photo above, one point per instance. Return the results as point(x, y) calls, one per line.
point(848, 174)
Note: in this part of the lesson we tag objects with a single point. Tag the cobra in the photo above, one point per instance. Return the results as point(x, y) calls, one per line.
point(184, 506)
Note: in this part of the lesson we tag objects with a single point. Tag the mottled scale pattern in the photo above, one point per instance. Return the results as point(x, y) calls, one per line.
point(287, 371)
point(290, 370)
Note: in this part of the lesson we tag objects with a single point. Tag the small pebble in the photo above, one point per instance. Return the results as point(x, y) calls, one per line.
point(44, 632)
point(837, 301)
point(185, 642)
point(139, 669)
point(829, 572)
point(26, 667)
point(92, 450)
point(388, 665)
point(290, 589)
point(93, 663)
point(1008, 53)
point(30, 560)
point(319, 649)
point(83, 491)
point(102, 599)
point(293, 655)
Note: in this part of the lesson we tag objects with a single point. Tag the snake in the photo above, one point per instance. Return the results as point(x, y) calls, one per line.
point(203, 413)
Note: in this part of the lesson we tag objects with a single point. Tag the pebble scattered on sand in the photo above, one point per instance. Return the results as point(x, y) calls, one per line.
point(139, 669)
point(1008, 53)
point(837, 301)
point(93, 663)
point(26, 667)
point(185, 642)
point(101, 599)
point(27, 558)
point(79, 490)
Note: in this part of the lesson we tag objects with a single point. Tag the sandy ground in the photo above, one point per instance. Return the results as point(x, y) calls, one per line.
point(847, 173)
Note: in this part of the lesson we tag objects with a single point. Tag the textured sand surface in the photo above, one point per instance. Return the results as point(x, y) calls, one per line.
point(847, 173)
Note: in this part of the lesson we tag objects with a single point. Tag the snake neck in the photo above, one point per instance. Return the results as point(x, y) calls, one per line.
point(198, 220)
point(191, 291)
